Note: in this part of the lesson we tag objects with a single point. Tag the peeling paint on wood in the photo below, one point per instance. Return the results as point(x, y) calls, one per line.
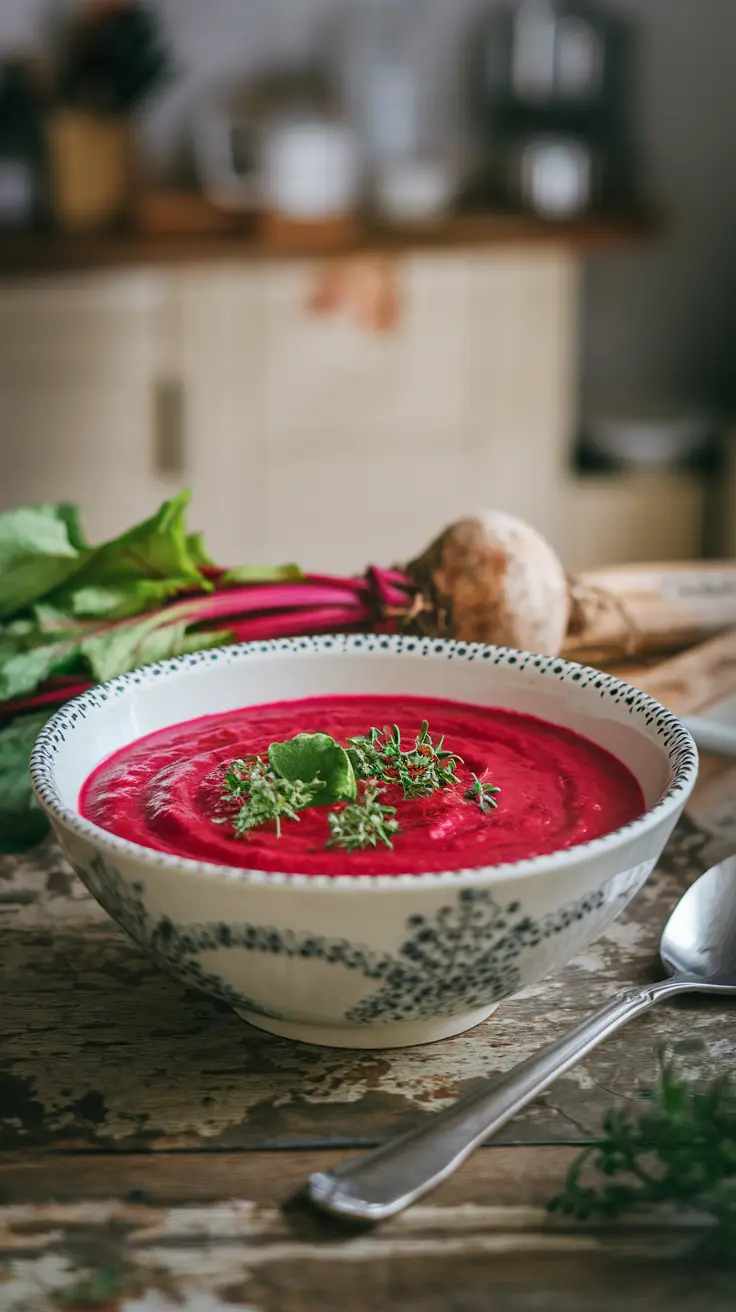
point(98, 1047)
point(249, 1243)
point(239, 1254)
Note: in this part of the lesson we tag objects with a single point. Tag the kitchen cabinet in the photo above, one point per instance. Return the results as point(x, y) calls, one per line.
point(80, 364)
point(306, 438)
point(220, 347)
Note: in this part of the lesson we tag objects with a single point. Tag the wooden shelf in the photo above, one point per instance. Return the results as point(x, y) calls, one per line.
point(44, 256)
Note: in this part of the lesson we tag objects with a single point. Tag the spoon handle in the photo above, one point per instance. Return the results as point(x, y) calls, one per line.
point(384, 1181)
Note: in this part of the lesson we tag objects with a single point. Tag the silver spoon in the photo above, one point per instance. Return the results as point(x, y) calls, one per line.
point(698, 950)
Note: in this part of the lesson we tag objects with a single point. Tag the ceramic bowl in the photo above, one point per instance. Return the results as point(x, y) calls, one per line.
point(375, 961)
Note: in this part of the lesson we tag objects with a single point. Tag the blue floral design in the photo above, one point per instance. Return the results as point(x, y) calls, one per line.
point(463, 957)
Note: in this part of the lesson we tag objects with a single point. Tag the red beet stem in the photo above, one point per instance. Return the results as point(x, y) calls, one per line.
point(51, 697)
point(319, 603)
point(254, 599)
point(291, 624)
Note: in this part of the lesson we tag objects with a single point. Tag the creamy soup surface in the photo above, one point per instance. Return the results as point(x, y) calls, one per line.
point(557, 789)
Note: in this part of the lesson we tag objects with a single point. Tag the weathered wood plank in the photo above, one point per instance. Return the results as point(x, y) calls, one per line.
point(497, 1177)
point(151, 1229)
point(215, 1218)
point(251, 1255)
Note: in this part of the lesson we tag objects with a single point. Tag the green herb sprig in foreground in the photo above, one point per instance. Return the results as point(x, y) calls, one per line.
point(419, 770)
point(364, 823)
point(681, 1150)
point(264, 795)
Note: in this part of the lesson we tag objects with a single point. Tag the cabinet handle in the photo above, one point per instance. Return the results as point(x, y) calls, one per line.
point(168, 427)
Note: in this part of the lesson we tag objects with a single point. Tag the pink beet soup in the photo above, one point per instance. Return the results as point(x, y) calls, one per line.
point(557, 789)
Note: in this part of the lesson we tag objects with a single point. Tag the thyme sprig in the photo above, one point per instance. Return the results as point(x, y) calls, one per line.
point(264, 795)
point(681, 1150)
point(364, 823)
point(419, 770)
point(485, 795)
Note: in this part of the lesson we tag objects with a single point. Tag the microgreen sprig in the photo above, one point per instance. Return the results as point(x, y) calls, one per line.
point(264, 795)
point(366, 752)
point(419, 770)
point(483, 794)
point(364, 823)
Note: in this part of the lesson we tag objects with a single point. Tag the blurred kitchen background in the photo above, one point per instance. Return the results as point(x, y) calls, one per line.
point(354, 268)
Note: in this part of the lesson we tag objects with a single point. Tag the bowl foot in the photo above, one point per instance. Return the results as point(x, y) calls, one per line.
point(398, 1034)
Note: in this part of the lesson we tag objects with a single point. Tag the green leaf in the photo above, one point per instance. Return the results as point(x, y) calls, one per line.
point(39, 550)
point(120, 601)
point(315, 756)
point(44, 556)
point(22, 670)
point(197, 550)
point(138, 570)
point(262, 574)
point(22, 822)
point(204, 640)
point(69, 515)
point(33, 649)
point(125, 647)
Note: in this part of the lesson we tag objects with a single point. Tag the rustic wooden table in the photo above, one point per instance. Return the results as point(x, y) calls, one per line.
point(152, 1145)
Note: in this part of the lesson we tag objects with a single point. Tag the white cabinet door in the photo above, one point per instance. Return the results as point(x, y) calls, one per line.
point(80, 364)
point(366, 433)
point(221, 351)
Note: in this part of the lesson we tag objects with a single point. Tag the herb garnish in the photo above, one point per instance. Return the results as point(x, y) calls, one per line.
point(485, 795)
point(264, 795)
point(419, 770)
point(312, 769)
point(682, 1150)
point(364, 823)
point(309, 769)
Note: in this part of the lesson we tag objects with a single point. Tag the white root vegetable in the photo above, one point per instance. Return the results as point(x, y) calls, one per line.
point(633, 610)
point(492, 578)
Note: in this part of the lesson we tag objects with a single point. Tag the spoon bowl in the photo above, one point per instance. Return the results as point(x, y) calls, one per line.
point(699, 940)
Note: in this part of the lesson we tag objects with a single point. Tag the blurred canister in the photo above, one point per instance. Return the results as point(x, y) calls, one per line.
point(557, 177)
point(93, 169)
point(309, 170)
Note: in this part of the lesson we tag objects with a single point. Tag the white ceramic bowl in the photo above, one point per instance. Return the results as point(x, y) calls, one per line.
point(374, 961)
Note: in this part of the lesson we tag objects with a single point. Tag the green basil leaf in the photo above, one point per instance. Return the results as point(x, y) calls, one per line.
point(315, 756)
